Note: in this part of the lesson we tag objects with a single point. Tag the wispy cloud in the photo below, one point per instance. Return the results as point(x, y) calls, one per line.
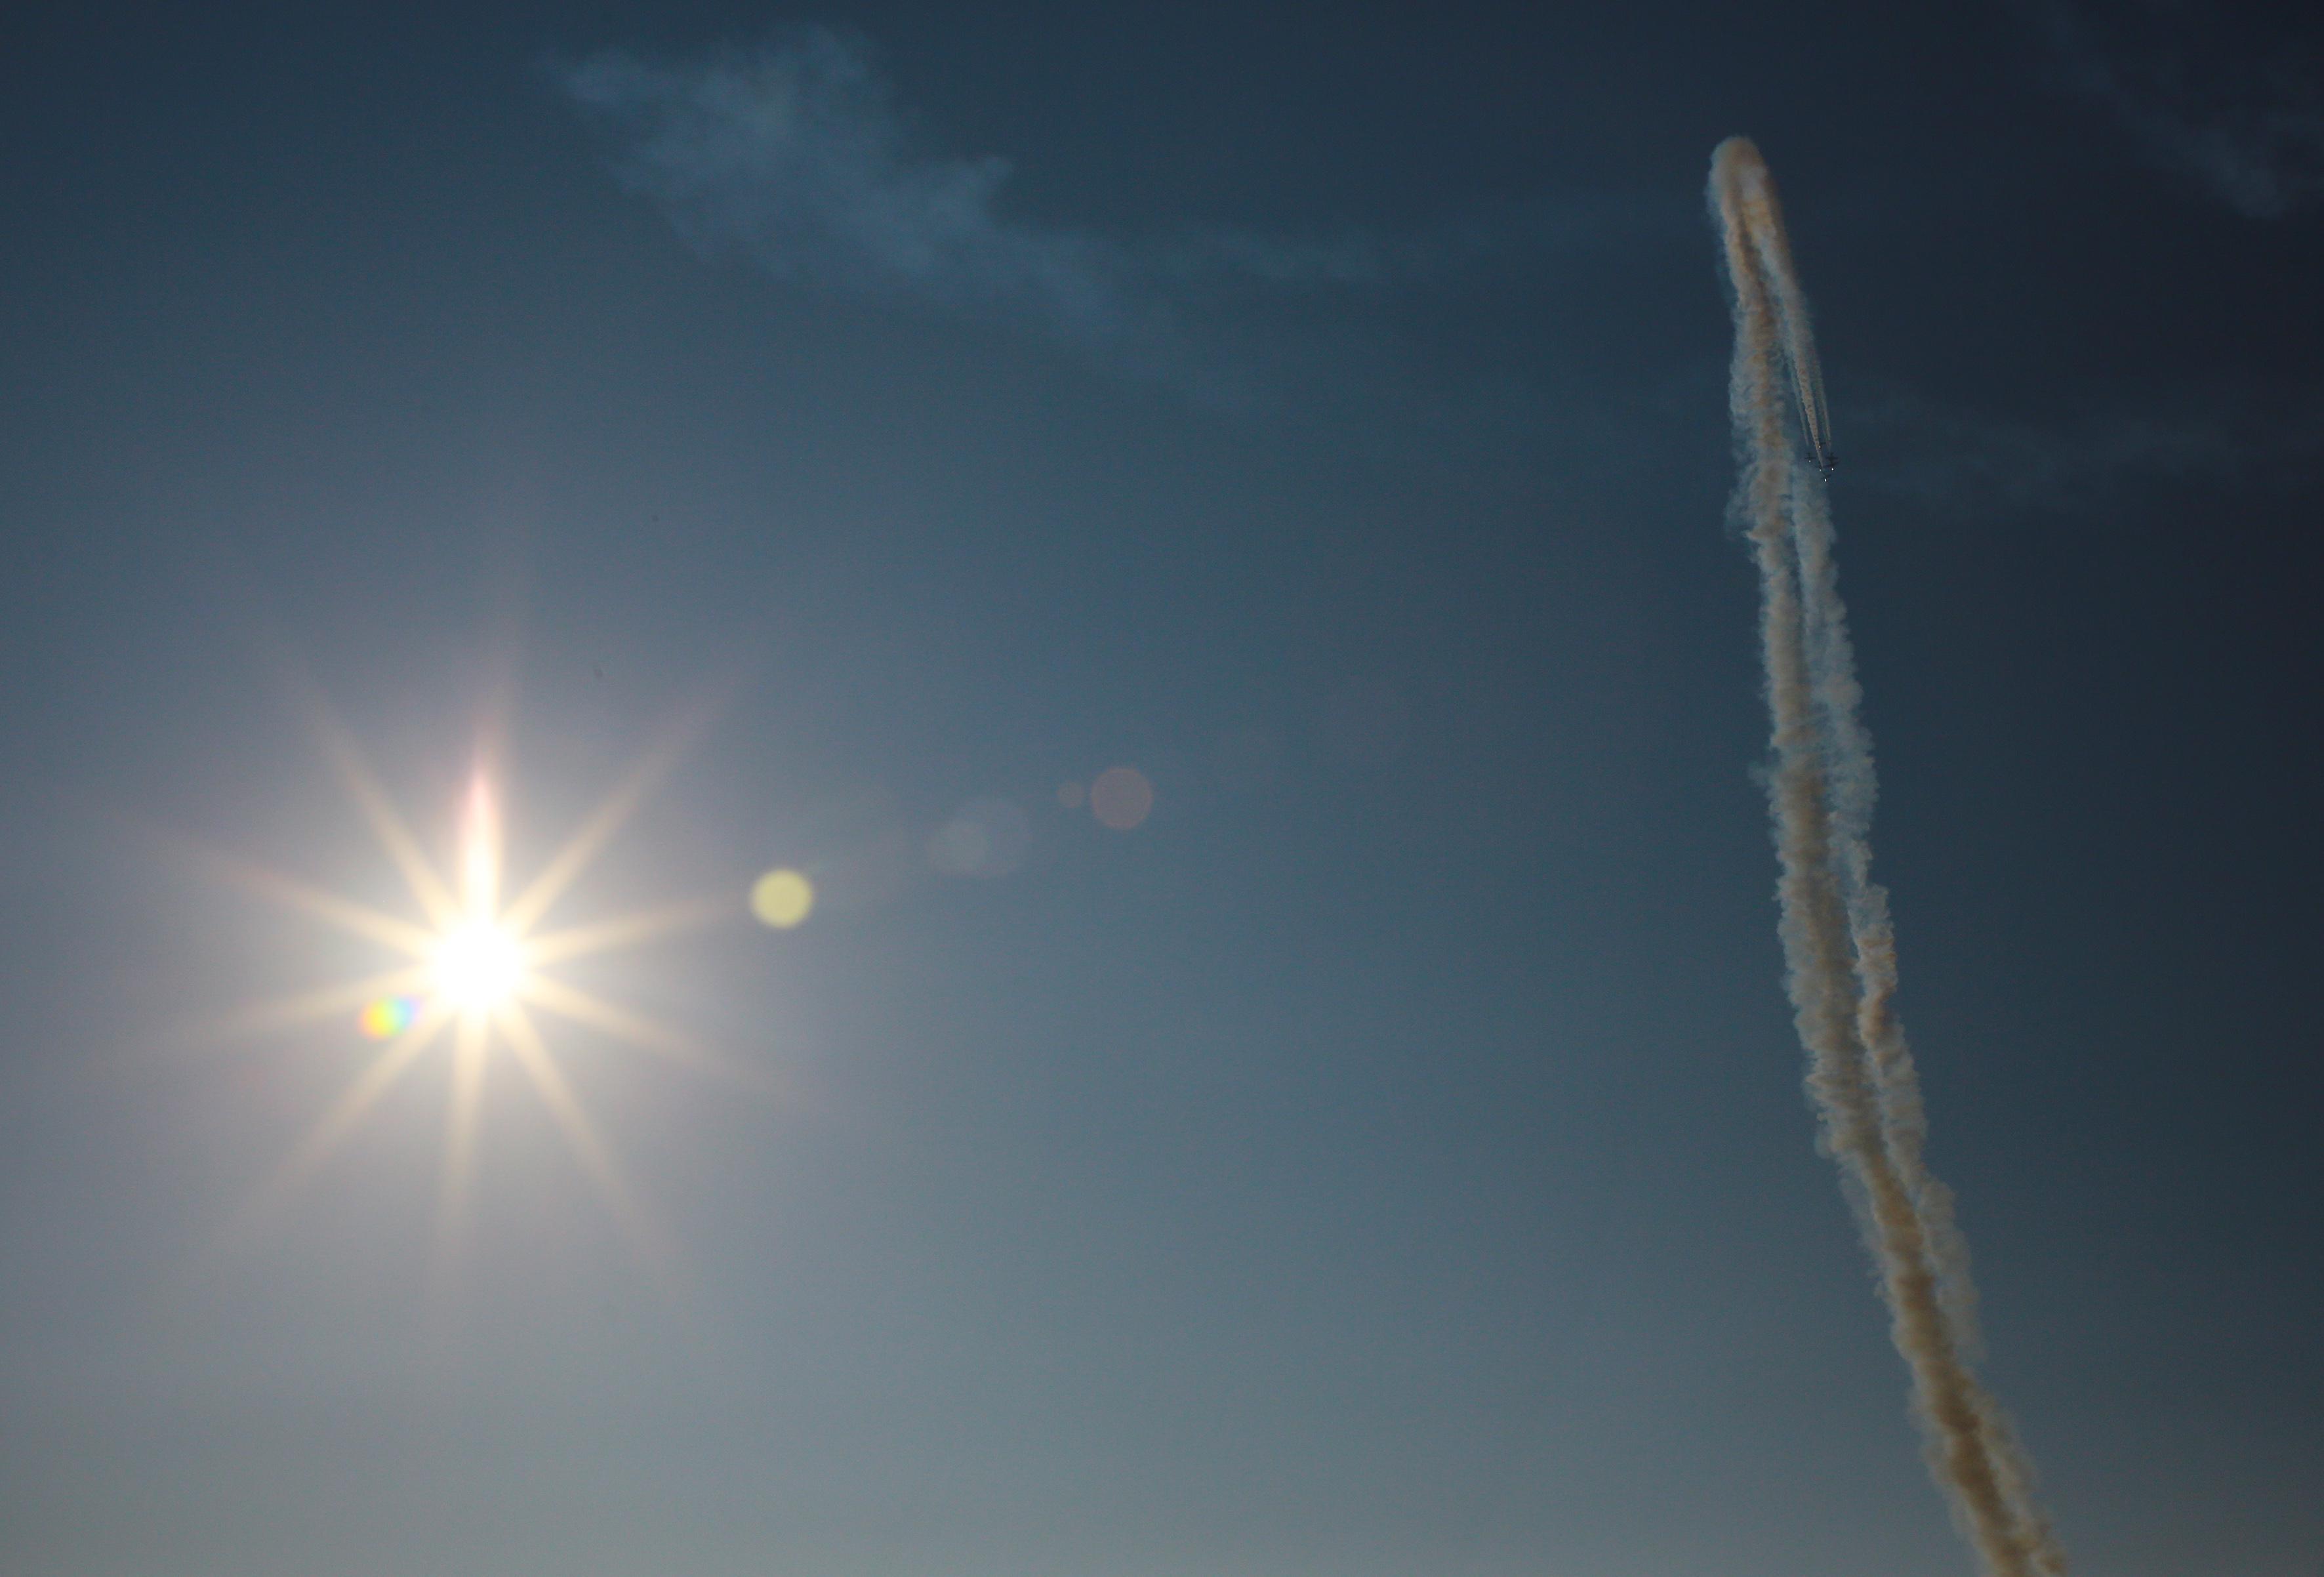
point(2242, 115)
point(793, 155)
point(1948, 457)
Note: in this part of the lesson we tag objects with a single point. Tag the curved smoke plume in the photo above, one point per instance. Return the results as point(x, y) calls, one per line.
point(1839, 944)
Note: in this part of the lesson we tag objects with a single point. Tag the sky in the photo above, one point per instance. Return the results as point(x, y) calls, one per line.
point(1388, 1155)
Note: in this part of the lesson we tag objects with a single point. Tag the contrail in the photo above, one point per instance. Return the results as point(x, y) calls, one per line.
point(1838, 944)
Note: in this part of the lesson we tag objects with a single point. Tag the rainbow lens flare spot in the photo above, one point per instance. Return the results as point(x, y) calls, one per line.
point(385, 1018)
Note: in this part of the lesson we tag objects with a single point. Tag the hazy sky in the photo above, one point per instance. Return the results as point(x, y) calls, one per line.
point(1388, 1157)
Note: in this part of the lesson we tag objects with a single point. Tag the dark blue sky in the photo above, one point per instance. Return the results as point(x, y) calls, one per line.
point(1389, 1156)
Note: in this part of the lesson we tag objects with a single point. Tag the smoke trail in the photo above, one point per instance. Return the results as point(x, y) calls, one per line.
point(1838, 944)
point(1769, 258)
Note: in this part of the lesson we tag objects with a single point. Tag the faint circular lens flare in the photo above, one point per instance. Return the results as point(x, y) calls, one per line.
point(1121, 798)
point(988, 838)
point(782, 898)
point(478, 967)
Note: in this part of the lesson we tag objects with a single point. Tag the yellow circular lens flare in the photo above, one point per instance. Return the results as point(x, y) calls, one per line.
point(478, 967)
point(782, 898)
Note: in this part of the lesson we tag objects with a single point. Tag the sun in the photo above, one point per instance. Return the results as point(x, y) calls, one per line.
point(480, 966)
point(470, 978)
point(478, 969)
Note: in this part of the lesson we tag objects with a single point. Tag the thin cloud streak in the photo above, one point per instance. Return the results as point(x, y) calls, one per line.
point(2244, 119)
point(1947, 457)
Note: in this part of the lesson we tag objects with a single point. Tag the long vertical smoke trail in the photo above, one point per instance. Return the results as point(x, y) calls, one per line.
point(1838, 940)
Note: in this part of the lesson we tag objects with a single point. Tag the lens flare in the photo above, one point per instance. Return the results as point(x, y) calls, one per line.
point(1121, 798)
point(385, 1018)
point(782, 898)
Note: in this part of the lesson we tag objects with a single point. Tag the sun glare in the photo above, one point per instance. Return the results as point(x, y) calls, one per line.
point(478, 968)
point(476, 976)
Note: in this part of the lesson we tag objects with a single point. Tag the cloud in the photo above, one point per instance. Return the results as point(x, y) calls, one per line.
point(2240, 113)
point(1947, 457)
point(793, 155)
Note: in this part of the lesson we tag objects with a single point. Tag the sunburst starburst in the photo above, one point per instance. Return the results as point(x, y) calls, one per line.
point(473, 975)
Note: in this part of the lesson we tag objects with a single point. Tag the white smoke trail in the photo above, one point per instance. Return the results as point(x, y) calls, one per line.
point(1838, 940)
